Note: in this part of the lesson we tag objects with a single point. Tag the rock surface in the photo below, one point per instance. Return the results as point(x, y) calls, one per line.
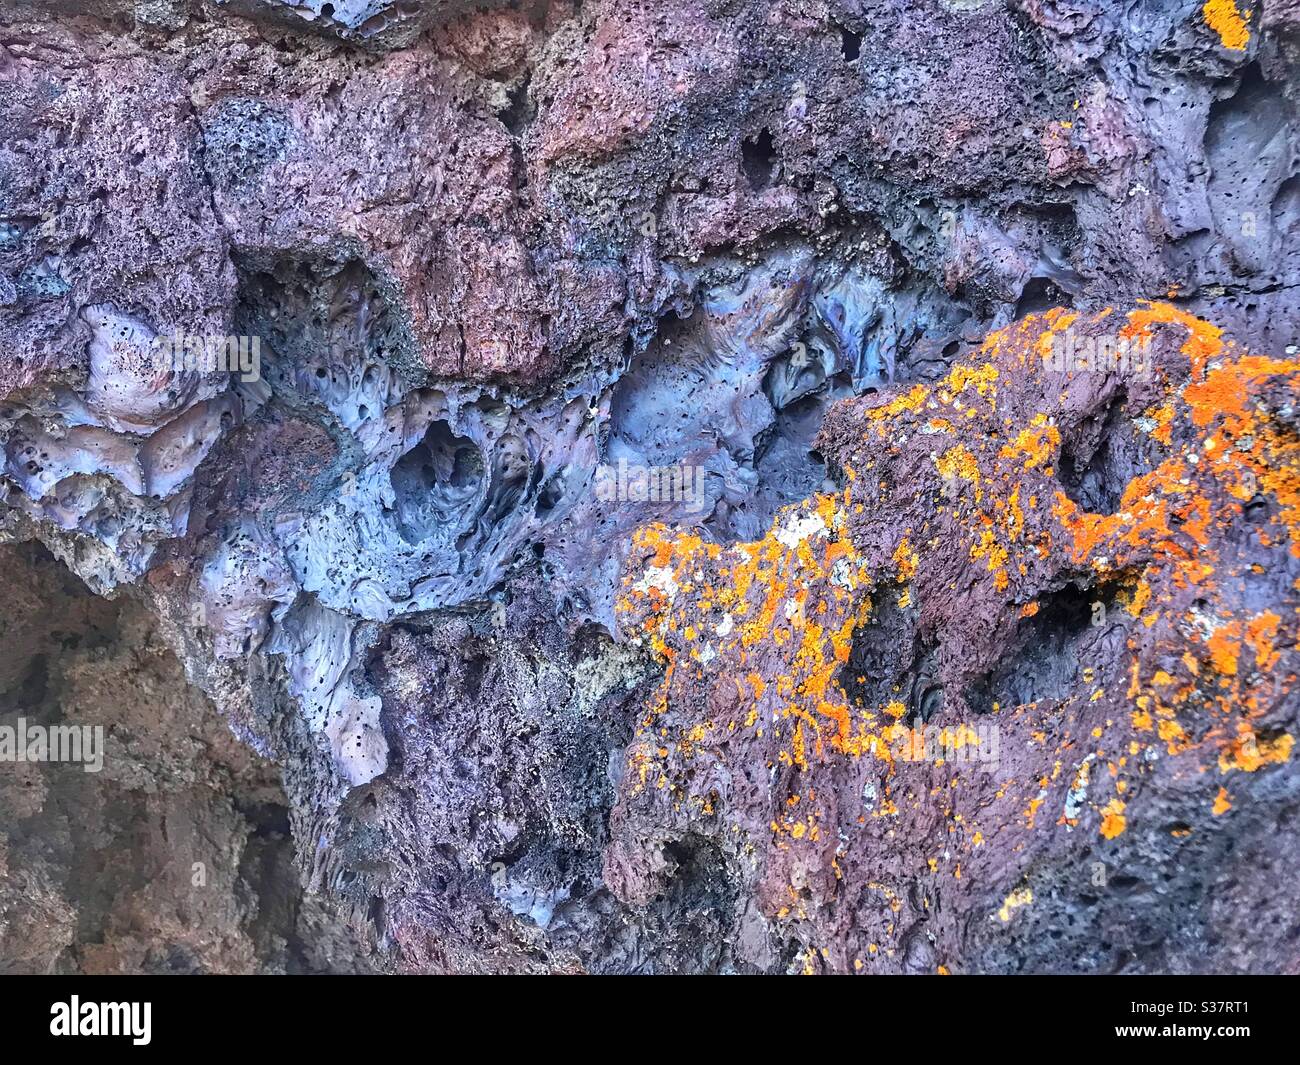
point(645, 487)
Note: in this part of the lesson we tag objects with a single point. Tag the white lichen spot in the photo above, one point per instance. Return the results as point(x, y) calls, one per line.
point(1078, 793)
point(798, 528)
point(658, 577)
point(842, 574)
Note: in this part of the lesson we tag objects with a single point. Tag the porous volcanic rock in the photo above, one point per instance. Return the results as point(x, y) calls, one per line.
point(1129, 658)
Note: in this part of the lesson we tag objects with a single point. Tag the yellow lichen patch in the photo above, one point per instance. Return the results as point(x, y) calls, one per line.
point(797, 588)
point(908, 401)
point(1018, 898)
point(958, 464)
point(981, 378)
point(1058, 321)
point(1034, 446)
point(1223, 17)
point(1141, 597)
point(994, 555)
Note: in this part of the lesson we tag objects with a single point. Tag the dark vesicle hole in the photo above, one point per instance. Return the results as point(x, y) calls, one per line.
point(759, 159)
point(850, 44)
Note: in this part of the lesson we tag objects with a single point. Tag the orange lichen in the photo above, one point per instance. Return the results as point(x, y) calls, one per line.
point(1225, 647)
point(1222, 803)
point(768, 628)
point(905, 559)
point(1261, 634)
point(1204, 341)
point(1035, 445)
point(1249, 752)
point(958, 463)
point(1113, 821)
point(1223, 17)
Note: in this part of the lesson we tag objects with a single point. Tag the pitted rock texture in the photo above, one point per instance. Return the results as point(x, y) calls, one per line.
point(483, 268)
point(1138, 662)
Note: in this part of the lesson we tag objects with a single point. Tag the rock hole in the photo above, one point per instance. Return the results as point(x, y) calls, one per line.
point(850, 45)
point(435, 483)
point(1042, 659)
point(758, 156)
point(1098, 462)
